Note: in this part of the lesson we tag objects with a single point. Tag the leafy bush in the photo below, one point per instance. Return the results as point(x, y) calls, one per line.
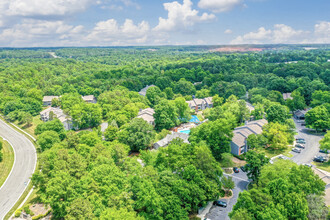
point(227, 160)
point(18, 212)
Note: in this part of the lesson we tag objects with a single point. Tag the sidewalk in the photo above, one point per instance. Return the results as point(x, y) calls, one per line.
point(325, 176)
point(205, 211)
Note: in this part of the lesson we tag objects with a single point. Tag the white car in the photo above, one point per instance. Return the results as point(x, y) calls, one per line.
point(307, 165)
point(297, 150)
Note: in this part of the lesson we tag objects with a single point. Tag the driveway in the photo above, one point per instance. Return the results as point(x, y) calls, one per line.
point(312, 146)
point(23, 168)
point(241, 182)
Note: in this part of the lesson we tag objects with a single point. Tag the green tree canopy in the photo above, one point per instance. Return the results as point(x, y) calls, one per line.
point(318, 118)
point(47, 139)
point(182, 109)
point(165, 115)
point(154, 95)
point(277, 113)
point(137, 134)
point(217, 134)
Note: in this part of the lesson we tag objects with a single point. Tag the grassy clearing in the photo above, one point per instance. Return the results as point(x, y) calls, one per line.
point(7, 163)
point(30, 129)
point(271, 153)
point(322, 166)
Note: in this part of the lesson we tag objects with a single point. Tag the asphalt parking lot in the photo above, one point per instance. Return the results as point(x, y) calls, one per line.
point(312, 145)
point(241, 182)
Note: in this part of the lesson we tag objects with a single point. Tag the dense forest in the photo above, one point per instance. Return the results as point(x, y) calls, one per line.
point(88, 174)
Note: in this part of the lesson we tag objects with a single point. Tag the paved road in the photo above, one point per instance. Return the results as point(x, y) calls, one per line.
point(24, 165)
point(312, 146)
point(220, 213)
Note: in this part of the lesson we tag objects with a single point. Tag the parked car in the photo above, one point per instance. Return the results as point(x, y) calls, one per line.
point(301, 141)
point(300, 121)
point(324, 151)
point(220, 203)
point(319, 159)
point(236, 170)
point(300, 146)
point(297, 150)
point(244, 168)
point(307, 164)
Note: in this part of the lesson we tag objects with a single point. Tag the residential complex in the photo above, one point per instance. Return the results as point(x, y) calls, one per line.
point(239, 142)
point(47, 100)
point(167, 140)
point(200, 104)
point(46, 115)
point(147, 115)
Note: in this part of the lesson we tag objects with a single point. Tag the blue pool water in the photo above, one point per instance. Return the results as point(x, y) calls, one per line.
point(194, 119)
point(185, 131)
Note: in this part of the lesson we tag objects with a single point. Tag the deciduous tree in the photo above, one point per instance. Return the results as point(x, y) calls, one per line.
point(137, 134)
point(318, 118)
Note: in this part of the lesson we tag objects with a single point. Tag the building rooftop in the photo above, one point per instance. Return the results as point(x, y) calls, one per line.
point(49, 98)
point(88, 98)
point(165, 141)
point(238, 139)
point(252, 127)
point(209, 100)
point(191, 103)
point(199, 101)
point(147, 114)
point(57, 112)
point(287, 96)
point(144, 90)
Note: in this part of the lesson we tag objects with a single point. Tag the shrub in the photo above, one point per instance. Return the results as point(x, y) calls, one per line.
point(27, 210)
point(18, 212)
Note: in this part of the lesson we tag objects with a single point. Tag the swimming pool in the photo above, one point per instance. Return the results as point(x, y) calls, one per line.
point(194, 119)
point(185, 131)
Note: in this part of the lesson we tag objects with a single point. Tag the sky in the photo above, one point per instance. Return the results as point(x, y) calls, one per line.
point(52, 23)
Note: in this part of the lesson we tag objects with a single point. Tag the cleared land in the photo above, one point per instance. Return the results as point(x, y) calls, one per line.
point(30, 129)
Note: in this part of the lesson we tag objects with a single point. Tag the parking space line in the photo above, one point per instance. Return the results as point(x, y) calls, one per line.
point(236, 177)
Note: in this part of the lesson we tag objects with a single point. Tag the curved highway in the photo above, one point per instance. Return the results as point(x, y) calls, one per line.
point(23, 168)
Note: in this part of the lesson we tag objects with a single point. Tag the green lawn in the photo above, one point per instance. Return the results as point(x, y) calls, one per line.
point(30, 129)
point(7, 162)
point(322, 166)
point(271, 153)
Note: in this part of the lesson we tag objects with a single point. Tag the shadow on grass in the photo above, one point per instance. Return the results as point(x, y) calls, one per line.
point(323, 166)
point(312, 132)
point(26, 126)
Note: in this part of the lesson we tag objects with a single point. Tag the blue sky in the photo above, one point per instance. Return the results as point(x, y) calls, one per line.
point(31, 23)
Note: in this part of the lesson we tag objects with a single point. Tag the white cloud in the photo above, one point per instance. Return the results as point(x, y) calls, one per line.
point(31, 32)
point(228, 31)
point(286, 34)
point(219, 5)
point(181, 17)
point(322, 32)
point(110, 33)
point(43, 7)
point(117, 4)
point(281, 33)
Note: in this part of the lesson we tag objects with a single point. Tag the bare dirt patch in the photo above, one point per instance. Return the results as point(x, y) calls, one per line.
point(39, 209)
